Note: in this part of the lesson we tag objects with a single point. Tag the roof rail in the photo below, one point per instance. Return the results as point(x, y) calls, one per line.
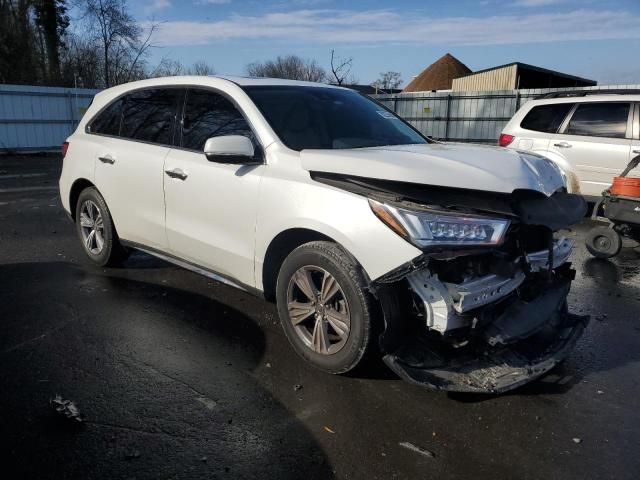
point(584, 93)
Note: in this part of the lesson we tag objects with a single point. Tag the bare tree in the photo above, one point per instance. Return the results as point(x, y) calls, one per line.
point(388, 81)
point(121, 40)
point(201, 68)
point(168, 68)
point(341, 69)
point(290, 67)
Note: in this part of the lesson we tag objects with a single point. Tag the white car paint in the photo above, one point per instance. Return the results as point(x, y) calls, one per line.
point(223, 217)
point(454, 165)
point(589, 163)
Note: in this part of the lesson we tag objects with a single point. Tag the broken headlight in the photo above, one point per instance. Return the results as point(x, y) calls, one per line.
point(426, 229)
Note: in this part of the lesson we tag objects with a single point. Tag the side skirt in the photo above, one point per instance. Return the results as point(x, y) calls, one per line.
point(218, 277)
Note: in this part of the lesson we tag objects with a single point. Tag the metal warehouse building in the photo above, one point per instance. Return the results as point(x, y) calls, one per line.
point(513, 76)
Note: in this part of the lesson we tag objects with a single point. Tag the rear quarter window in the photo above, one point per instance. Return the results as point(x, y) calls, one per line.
point(107, 122)
point(546, 118)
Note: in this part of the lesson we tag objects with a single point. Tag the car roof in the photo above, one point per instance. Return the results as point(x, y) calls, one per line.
point(215, 81)
point(250, 81)
point(588, 98)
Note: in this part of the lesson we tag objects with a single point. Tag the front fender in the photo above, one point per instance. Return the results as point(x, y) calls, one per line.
point(345, 217)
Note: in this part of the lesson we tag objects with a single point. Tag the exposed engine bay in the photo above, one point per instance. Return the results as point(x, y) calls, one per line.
point(480, 318)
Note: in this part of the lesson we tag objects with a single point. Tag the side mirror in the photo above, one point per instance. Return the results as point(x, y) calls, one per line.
point(235, 149)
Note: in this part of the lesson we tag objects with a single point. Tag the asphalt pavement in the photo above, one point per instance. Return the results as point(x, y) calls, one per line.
point(177, 376)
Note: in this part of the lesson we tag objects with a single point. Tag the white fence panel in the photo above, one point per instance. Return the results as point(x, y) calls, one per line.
point(34, 118)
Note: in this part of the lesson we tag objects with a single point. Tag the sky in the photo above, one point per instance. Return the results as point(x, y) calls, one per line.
point(595, 39)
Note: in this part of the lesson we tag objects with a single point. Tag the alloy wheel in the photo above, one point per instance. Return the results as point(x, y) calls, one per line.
point(92, 227)
point(318, 310)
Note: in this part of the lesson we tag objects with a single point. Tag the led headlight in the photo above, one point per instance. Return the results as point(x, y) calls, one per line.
point(426, 229)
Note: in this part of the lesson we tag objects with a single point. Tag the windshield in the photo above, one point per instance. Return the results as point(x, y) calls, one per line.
point(329, 118)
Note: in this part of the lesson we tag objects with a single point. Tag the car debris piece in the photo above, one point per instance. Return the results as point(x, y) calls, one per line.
point(66, 408)
point(327, 429)
point(577, 440)
point(132, 455)
point(414, 448)
point(297, 387)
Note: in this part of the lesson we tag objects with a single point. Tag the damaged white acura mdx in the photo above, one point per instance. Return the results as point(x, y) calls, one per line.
point(446, 260)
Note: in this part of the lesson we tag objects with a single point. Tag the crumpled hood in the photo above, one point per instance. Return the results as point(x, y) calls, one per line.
point(473, 167)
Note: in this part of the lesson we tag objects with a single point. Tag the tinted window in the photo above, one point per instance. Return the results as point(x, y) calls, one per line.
point(599, 120)
point(208, 114)
point(149, 115)
point(107, 122)
point(329, 118)
point(546, 118)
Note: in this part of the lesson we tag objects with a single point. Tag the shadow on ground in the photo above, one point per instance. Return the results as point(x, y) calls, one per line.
point(162, 375)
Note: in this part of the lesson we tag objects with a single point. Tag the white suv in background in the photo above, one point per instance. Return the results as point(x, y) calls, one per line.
point(591, 135)
point(369, 237)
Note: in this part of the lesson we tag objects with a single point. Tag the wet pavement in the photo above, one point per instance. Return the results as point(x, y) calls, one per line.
point(178, 376)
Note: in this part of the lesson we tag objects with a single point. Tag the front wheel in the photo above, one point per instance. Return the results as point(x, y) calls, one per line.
point(96, 231)
point(603, 242)
point(324, 307)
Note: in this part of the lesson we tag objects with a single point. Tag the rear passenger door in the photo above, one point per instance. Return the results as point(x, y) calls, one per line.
point(129, 166)
point(596, 141)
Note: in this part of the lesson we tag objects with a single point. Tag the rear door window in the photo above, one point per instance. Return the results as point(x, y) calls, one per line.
point(107, 122)
point(208, 114)
point(600, 119)
point(150, 115)
point(546, 118)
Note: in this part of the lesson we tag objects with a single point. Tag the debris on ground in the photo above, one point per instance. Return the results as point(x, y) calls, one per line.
point(327, 429)
point(297, 387)
point(132, 455)
point(600, 392)
point(203, 459)
point(414, 448)
point(577, 440)
point(268, 365)
point(66, 408)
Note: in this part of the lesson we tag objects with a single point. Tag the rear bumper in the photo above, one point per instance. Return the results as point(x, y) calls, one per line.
point(533, 338)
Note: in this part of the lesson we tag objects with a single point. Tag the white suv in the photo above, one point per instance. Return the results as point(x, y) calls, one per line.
point(369, 237)
point(591, 135)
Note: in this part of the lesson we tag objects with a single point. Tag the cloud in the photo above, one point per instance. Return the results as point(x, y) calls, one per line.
point(212, 2)
point(157, 6)
point(332, 26)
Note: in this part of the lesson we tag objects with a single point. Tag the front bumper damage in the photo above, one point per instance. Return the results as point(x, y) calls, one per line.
point(489, 334)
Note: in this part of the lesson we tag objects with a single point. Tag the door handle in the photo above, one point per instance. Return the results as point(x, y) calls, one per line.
point(637, 151)
point(177, 173)
point(562, 145)
point(107, 159)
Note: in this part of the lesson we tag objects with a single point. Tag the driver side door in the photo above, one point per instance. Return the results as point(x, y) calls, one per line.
point(211, 207)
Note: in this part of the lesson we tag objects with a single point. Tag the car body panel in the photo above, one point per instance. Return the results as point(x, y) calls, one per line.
point(326, 210)
point(450, 165)
point(211, 215)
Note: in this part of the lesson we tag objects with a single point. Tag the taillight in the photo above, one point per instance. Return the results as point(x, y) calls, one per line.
point(65, 146)
point(505, 139)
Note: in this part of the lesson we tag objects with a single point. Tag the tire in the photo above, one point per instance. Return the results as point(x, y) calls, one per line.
point(102, 246)
point(603, 242)
point(327, 265)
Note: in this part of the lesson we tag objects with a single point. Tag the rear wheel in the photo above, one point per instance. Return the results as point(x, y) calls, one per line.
point(324, 307)
point(96, 231)
point(603, 242)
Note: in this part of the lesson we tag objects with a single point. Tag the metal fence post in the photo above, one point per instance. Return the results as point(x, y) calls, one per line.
point(72, 119)
point(447, 117)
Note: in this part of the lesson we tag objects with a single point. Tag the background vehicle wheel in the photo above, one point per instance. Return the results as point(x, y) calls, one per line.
point(96, 231)
point(603, 242)
point(324, 307)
